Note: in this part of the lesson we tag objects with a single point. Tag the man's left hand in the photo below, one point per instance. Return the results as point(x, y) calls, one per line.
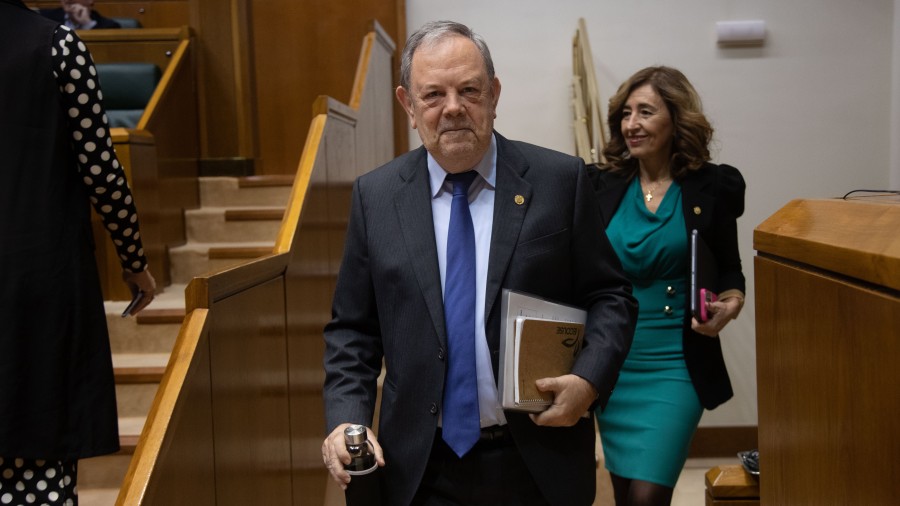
point(573, 396)
point(79, 14)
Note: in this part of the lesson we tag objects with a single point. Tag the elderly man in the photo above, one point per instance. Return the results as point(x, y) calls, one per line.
point(434, 237)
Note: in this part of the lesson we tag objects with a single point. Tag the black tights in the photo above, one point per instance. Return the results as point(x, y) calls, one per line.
point(630, 492)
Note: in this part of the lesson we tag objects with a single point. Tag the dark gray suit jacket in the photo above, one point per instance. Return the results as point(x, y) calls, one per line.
point(388, 306)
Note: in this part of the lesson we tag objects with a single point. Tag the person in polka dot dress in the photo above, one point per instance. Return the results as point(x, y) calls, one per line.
point(57, 392)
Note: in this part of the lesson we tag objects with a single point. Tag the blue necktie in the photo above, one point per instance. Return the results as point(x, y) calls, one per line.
point(461, 425)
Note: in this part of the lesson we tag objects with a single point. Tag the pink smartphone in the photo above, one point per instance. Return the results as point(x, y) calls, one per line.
point(706, 296)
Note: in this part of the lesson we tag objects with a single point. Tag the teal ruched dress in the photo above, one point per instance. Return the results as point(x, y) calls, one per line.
point(647, 426)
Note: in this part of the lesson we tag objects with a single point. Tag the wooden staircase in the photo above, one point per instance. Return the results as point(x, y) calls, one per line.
point(239, 219)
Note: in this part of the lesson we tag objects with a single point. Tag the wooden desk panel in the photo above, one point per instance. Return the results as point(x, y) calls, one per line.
point(829, 395)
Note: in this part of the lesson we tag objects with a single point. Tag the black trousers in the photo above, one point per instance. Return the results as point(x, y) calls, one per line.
point(26, 482)
point(491, 474)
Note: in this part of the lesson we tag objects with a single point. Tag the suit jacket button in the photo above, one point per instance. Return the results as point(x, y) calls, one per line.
point(441, 354)
point(433, 409)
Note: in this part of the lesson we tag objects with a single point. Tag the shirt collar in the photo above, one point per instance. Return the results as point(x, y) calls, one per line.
point(486, 168)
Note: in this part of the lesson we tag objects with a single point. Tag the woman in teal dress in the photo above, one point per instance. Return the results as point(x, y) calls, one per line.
point(657, 186)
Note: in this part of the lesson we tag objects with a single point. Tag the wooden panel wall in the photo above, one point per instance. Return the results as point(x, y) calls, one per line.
point(188, 476)
point(172, 116)
point(249, 397)
point(310, 281)
point(174, 461)
point(227, 121)
point(829, 399)
point(302, 50)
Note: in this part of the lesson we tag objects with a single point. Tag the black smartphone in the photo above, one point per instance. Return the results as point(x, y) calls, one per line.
point(135, 300)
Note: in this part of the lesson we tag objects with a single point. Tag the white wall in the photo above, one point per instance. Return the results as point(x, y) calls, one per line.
point(895, 101)
point(807, 115)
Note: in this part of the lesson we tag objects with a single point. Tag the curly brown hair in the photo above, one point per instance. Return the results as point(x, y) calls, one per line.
point(692, 131)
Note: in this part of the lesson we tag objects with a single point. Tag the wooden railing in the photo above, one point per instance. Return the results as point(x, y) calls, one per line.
point(238, 418)
point(164, 145)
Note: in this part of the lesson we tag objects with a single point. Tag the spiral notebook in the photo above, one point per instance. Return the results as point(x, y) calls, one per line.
point(539, 339)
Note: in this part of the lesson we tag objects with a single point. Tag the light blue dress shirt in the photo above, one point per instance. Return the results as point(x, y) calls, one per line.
point(481, 206)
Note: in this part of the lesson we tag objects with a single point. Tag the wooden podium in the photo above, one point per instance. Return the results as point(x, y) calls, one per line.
point(828, 352)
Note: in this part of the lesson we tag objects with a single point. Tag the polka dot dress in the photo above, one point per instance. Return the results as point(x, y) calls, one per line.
point(38, 482)
point(97, 163)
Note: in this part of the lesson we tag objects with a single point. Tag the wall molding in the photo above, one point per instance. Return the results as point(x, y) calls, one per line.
point(711, 442)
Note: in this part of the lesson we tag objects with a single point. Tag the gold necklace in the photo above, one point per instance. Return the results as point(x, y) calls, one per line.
point(648, 196)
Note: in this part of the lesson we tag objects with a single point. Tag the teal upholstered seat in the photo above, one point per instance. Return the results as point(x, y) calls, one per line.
point(127, 88)
point(127, 22)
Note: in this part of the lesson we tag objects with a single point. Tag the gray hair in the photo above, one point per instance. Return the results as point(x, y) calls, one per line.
point(436, 31)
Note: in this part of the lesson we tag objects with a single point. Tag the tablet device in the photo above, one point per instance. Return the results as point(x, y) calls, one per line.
point(703, 277)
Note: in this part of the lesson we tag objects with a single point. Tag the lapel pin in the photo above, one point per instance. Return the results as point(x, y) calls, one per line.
point(520, 200)
point(697, 210)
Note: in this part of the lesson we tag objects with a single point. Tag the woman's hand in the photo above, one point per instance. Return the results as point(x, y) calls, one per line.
point(145, 283)
point(723, 311)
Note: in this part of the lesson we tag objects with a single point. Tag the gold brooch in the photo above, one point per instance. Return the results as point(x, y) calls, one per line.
point(697, 210)
point(520, 200)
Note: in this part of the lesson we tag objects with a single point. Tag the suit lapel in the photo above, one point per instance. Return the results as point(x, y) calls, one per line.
point(511, 201)
point(413, 204)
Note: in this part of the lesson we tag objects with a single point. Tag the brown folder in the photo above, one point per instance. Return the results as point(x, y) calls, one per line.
point(544, 349)
point(543, 317)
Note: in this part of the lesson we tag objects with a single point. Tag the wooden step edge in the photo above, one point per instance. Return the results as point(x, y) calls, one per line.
point(263, 214)
point(160, 316)
point(138, 374)
point(264, 181)
point(239, 252)
point(254, 214)
point(128, 443)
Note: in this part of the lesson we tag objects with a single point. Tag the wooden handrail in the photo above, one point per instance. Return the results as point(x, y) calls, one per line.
point(179, 59)
point(118, 35)
point(333, 155)
point(291, 220)
point(167, 398)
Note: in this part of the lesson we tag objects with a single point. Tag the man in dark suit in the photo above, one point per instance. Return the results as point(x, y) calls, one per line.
point(536, 229)
point(79, 15)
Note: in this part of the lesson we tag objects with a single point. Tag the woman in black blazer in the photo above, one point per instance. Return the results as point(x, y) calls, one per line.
point(657, 186)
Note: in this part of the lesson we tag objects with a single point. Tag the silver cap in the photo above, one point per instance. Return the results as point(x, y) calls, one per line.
point(355, 435)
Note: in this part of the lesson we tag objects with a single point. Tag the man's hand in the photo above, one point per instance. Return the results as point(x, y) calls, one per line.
point(78, 13)
point(335, 454)
point(573, 396)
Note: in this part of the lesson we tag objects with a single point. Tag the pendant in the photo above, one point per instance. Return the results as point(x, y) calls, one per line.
point(648, 196)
